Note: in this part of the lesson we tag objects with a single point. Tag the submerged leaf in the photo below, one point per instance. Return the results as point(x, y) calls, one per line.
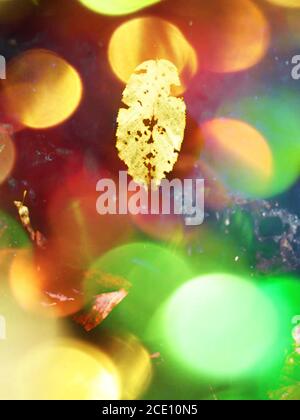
point(151, 130)
point(101, 308)
point(24, 215)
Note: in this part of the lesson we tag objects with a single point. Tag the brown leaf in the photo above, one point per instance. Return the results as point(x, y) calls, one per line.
point(99, 281)
point(24, 215)
point(101, 308)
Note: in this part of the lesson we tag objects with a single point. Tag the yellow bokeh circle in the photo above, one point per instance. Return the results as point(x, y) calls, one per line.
point(134, 365)
point(228, 35)
point(150, 38)
point(42, 89)
point(232, 146)
point(67, 370)
point(117, 7)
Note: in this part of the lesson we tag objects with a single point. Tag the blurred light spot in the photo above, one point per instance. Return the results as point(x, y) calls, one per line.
point(24, 280)
point(149, 38)
point(133, 364)
point(152, 270)
point(276, 119)
point(239, 154)
point(285, 3)
point(42, 284)
point(220, 326)
point(23, 330)
point(228, 35)
point(67, 370)
point(117, 7)
point(42, 89)
point(7, 156)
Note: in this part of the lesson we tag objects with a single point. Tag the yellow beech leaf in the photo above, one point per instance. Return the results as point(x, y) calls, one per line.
point(151, 129)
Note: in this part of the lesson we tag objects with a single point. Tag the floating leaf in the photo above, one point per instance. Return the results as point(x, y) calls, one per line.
point(151, 130)
point(23, 211)
point(101, 308)
point(98, 282)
